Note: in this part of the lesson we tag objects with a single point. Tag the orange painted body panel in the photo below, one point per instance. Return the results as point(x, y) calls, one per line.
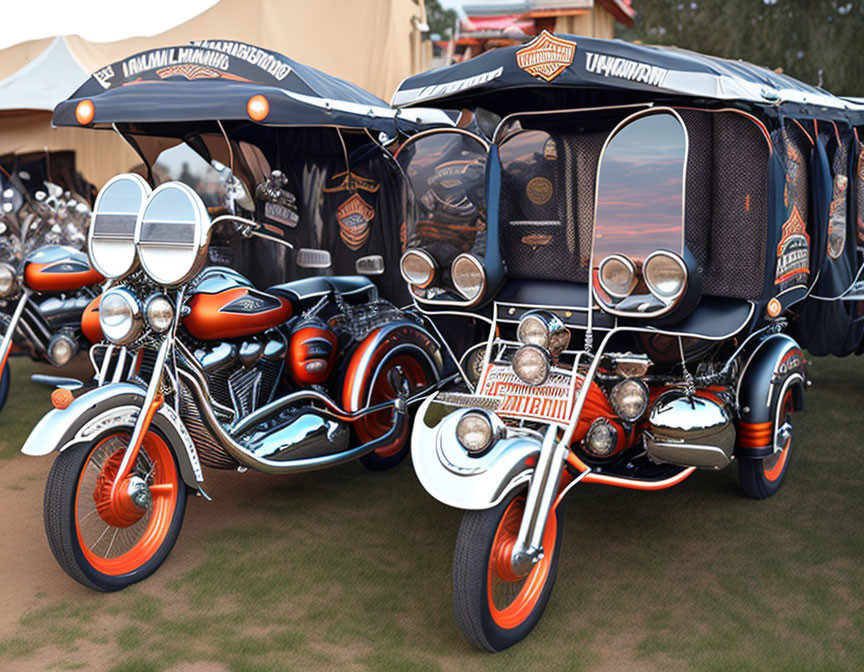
point(216, 316)
point(51, 278)
point(90, 326)
point(302, 350)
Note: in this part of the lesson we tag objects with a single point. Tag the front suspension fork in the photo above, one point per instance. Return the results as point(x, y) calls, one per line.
point(6, 343)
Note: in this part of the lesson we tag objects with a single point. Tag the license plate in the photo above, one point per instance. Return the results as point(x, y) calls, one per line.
point(550, 401)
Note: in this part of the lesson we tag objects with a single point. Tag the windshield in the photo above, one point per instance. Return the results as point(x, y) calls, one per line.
point(446, 172)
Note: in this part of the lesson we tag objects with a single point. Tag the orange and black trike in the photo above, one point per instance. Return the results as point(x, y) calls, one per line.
point(662, 235)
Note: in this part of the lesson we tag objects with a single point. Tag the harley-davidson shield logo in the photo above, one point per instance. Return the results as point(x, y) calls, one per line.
point(354, 216)
point(546, 56)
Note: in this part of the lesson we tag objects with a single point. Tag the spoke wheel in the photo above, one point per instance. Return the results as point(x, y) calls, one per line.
point(110, 537)
point(377, 424)
point(761, 479)
point(495, 607)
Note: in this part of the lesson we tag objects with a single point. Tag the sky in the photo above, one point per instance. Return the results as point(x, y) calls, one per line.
point(95, 20)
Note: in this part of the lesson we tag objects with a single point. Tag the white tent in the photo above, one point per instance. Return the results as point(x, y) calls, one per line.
point(373, 43)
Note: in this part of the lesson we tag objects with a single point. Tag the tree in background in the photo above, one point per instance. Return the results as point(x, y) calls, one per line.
point(816, 41)
point(441, 21)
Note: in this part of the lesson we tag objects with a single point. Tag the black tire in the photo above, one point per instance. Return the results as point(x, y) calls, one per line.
point(471, 578)
point(762, 478)
point(5, 381)
point(59, 510)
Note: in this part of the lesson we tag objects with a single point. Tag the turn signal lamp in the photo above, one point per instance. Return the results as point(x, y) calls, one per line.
point(84, 112)
point(258, 108)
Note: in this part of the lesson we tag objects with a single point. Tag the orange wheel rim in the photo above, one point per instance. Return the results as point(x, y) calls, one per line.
point(377, 424)
point(511, 598)
point(773, 466)
point(125, 546)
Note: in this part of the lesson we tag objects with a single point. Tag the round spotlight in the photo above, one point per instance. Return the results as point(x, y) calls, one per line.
point(61, 349)
point(601, 440)
point(665, 274)
point(8, 280)
point(258, 108)
point(84, 112)
point(475, 432)
point(629, 398)
point(617, 276)
point(469, 276)
point(160, 313)
point(418, 268)
point(532, 364)
point(120, 316)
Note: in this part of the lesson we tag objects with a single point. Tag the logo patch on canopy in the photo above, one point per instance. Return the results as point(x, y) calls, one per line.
point(354, 216)
point(546, 56)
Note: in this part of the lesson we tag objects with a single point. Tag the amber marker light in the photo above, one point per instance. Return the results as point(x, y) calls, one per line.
point(774, 308)
point(258, 108)
point(61, 398)
point(84, 112)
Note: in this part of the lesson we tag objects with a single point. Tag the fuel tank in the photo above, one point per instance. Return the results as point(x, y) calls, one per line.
point(57, 268)
point(90, 321)
point(224, 304)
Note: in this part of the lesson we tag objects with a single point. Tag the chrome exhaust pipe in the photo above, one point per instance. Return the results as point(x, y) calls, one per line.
point(246, 457)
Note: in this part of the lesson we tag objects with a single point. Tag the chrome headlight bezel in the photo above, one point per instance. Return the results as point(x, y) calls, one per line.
point(462, 260)
point(154, 304)
point(477, 422)
point(634, 408)
point(424, 257)
point(127, 331)
point(541, 356)
point(652, 285)
point(630, 267)
point(8, 280)
point(552, 335)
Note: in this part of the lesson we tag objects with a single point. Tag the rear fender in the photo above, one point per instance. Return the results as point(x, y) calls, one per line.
point(451, 476)
point(372, 354)
point(774, 367)
point(115, 405)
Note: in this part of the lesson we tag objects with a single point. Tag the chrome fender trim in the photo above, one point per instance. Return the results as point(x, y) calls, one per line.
point(454, 478)
point(115, 405)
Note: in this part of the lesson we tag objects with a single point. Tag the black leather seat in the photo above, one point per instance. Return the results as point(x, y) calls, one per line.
point(307, 292)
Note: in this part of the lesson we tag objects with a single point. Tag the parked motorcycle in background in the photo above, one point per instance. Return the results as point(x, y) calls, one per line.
point(46, 279)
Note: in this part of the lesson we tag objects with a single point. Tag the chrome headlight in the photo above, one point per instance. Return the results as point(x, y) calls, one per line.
point(617, 275)
point(469, 276)
point(544, 329)
point(601, 438)
point(160, 313)
point(665, 274)
point(8, 280)
point(532, 364)
point(172, 234)
point(418, 268)
point(475, 432)
point(120, 316)
point(629, 399)
point(111, 240)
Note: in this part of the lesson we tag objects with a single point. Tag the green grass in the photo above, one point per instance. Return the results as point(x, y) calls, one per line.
point(26, 403)
point(349, 567)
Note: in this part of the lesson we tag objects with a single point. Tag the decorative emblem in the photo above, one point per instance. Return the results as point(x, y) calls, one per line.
point(539, 190)
point(793, 252)
point(351, 182)
point(550, 150)
point(536, 240)
point(546, 56)
point(189, 71)
point(837, 218)
point(354, 216)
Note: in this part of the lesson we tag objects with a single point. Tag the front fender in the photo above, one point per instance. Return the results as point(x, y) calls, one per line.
point(451, 476)
point(114, 405)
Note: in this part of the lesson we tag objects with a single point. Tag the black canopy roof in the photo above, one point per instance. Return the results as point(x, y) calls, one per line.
point(214, 79)
point(557, 63)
